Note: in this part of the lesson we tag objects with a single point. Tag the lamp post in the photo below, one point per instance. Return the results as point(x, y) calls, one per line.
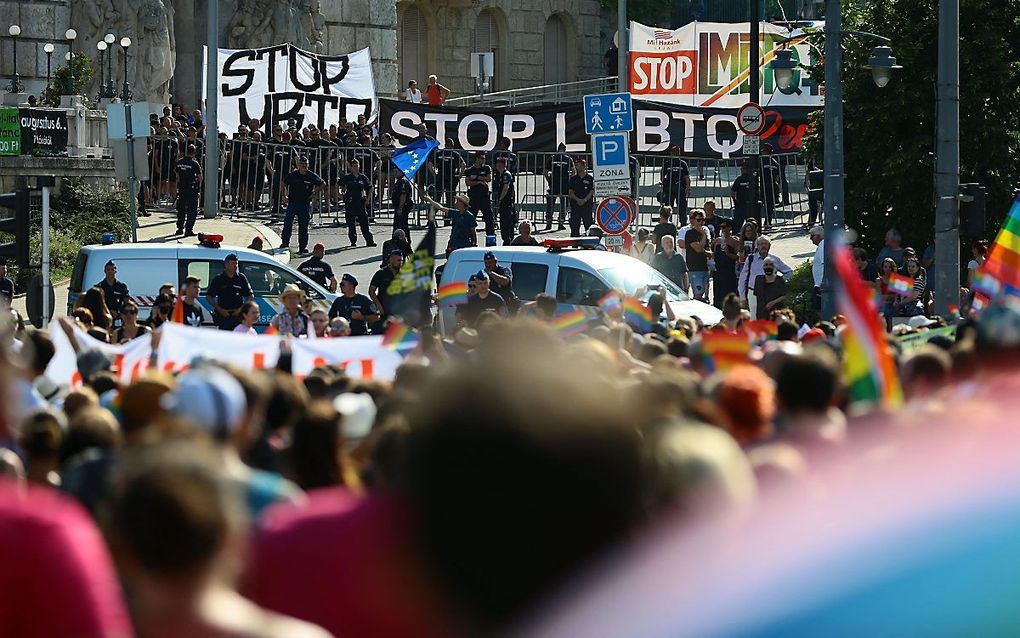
point(101, 45)
point(109, 91)
point(881, 64)
point(70, 35)
point(125, 44)
point(48, 49)
point(15, 31)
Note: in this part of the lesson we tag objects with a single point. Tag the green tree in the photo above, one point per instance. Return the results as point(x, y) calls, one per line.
point(889, 133)
point(82, 65)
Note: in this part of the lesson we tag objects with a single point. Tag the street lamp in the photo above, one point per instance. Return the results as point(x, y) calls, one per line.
point(48, 49)
point(14, 31)
point(110, 40)
point(101, 45)
point(70, 35)
point(783, 66)
point(881, 63)
point(125, 44)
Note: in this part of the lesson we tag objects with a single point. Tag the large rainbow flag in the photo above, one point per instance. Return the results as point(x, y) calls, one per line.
point(1000, 274)
point(867, 360)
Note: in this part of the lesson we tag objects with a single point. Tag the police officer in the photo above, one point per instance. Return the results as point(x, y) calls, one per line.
point(505, 195)
point(6, 286)
point(400, 195)
point(740, 194)
point(227, 293)
point(505, 152)
point(477, 178)
point(298, 188)
point(114, 291)
point(317, 270)
point(675, 178)
point(447, 165)
point(189, 182)
point(557, 174)
point(501, 280)
point(353, 306)
point(581, 192)
point(357, 198)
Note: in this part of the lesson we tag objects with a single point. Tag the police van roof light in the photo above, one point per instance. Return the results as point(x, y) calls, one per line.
point(209, 240)
point(573, 242)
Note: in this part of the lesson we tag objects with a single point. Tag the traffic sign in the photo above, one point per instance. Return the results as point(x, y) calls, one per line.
point(751, 118)
point(610, 163)
point(608, 113)
point(615, 214)
point(614, 240)
point(752, 145)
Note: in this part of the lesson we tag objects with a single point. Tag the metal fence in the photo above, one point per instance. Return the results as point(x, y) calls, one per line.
point(250, 174)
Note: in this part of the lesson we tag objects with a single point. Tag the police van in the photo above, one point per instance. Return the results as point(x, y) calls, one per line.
point(146, 267)
point(575, 273)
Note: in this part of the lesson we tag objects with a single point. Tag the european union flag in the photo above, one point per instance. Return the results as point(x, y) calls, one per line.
point(412, 157)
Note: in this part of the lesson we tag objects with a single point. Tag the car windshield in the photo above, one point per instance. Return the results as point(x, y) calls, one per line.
point(637, 274)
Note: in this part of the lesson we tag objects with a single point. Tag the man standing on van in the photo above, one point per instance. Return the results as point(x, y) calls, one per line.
point(581, 192)
point(114, 291)
point(298, 188)
point(317, 270)
point(189, 182)
point(227, 293)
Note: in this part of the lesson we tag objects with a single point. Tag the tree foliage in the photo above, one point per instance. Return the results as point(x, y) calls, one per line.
point(889, 133)
point(83, 71)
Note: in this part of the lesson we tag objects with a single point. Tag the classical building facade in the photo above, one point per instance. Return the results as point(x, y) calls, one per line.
point(533, 41)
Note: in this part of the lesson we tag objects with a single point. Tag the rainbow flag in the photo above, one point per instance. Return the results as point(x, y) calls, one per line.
point(570, 324)
point(610, 300)
point(761, 330)
point(723, 350)
point(1003, 262)
point(399, 337)
point(637, 314)
point(867, 361)
point(902, 285)
point(453, 293)
point(980, 303)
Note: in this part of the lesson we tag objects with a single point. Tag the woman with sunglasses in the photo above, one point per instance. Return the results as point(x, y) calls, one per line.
point(130, 329)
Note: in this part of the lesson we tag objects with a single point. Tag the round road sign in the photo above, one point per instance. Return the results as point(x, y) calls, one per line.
point(751, 118)
point(615, 214)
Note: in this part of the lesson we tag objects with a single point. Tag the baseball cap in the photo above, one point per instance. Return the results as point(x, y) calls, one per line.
point(209, 397)
point(230, 257)
point(489, 255)
point(349, 278)
point(481, 275)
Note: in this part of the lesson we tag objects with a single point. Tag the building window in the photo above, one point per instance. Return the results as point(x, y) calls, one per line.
point(414, 47)
point(556, 55)
point(487, 39)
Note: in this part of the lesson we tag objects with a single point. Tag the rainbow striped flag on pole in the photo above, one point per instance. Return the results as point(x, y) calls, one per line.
point(867, 361)
point(723, 350)
point(399, 337)
point(902, 285)
point(637, 314)
point(453, 293)
point(1000, 274)
point(570, 324)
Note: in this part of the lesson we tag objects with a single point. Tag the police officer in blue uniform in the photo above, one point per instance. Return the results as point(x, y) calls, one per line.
point(189, 183)
point(115, 292)
point(227, 293)
point(353, 306)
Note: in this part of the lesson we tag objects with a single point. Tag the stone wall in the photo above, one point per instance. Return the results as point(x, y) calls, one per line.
point(41, 21)
point(355, 24)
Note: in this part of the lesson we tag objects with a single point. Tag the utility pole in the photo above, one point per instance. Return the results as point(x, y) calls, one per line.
point(212, 151)
point(947, 160)
point(621, 57)
point(754, 55)
point(832, 216)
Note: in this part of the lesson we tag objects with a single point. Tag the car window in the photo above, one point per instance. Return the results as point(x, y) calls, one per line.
point(529, 279)
point(267, 280)
point(203, 269)
point(578, 287)
point(638, 275)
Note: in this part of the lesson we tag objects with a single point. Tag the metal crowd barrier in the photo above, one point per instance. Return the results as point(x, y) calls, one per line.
point(250, 173)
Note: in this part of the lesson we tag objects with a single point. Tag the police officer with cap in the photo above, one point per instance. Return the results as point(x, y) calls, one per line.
point(227, 293)
point(189, 181)
point(353, 306)
point(115, 292)
point(504, 190)
point(357, 198)
point(6, 286)
point(317, 270)
point(477, 178)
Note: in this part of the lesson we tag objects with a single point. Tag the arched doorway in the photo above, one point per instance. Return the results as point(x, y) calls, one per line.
point(414, 47)
point(556, 53)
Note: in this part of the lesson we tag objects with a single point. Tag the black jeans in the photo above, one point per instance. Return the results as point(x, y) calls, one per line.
point(304, 214)
point(557, 202)
point(400, 216)
point(480, 202)
point(674, 194)
point(507, 222)
point(187, 211)
point(356, 215)
point(580, 215)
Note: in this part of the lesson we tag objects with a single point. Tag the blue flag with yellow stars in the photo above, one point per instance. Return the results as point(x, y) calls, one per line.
point(412, 157)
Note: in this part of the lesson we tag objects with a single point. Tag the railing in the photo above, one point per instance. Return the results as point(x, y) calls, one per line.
point(250, 174)
point(567, 91)
point(96, 143)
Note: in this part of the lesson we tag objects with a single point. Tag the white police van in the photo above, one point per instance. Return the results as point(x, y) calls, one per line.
point(574, 274)
point(146, 267)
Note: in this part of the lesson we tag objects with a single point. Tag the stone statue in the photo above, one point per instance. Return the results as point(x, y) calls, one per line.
point(263, 23)
point(92, 19)
point(155, 57)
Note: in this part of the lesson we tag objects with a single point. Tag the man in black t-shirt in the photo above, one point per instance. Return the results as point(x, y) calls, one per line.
point(357, 199)
point(298, 188)
point(477, 177)
point(114, 291)
point(227, 293)
point(581, 191)
point(675, 178)
point(505, 152)
point(698, 242)
point(381, 280)
point(740, 194)
point(557, 174)
point(189, 183)
point(400, 195)
point(505, 189)
point(356, 308)
point(317, 270)
point(194, 313)
point(482, 300)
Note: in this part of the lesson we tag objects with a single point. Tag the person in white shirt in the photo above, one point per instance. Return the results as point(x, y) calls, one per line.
point(753, 267)
point(642, 248)
point(817, 236)
point(249, 317)
point(413, 94)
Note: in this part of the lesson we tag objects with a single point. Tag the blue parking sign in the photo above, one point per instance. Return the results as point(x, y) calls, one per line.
point(608, 113)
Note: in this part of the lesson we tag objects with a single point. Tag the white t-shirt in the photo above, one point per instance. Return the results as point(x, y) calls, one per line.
point(243, 329)
point(413, 96)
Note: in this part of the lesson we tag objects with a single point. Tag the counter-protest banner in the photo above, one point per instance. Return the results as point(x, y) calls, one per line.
point(43, 131)
point(278, 83)
point(360, 357)
point(130, 360)
point(10, 132)
point(699, 132)
point(706, 64)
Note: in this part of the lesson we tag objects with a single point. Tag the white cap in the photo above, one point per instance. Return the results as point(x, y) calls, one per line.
point(358, 411)
point(210, 398)
point(920, 321)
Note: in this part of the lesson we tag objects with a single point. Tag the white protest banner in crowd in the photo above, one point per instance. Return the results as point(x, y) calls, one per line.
point(180, 344)
point(706, 64)
point(361, 357)
point(130, 360)
point(277, 83)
